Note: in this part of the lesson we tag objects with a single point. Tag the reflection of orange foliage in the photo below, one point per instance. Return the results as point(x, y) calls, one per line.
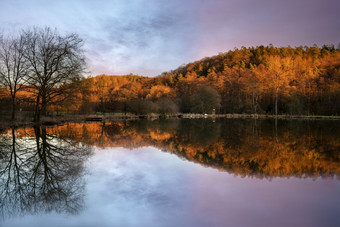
point(21, 132)
point(158, 135)
point(306, 154)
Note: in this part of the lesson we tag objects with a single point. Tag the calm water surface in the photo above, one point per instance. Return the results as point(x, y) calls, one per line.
point(172, 173)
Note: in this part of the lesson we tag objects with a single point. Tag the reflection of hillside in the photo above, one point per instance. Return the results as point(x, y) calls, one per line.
point(243, 147)
point(245, 150)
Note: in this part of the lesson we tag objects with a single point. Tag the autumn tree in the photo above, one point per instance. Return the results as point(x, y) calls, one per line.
point(141, 107)
point(278, 72)
point(308, 70)
point(159, 91)
point(166, 106)
point(13, 67)
point(185, 89)
point(255, 83)
point(126, 94)
point(54, 60)
point(101, 91)
point(205, 100)
point(234, 89)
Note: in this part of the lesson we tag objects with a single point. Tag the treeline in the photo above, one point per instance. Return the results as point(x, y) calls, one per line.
point(259, 80)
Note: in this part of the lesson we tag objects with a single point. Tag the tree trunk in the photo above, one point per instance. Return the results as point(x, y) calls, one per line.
point(253, 100)
point(13, 108)
point(37, 110)
point(309, 97)
point(276, 129)
point(276, 99)
point(256, 99)
point(43, 106)
point(13, 141)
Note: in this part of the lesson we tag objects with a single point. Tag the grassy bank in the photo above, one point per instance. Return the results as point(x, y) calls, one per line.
point(27, 120)
point(261, 116)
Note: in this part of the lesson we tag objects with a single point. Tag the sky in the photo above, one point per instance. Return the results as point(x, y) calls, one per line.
point(148, 37)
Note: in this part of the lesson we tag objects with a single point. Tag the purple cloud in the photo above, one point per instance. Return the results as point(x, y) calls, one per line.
point(151, 36)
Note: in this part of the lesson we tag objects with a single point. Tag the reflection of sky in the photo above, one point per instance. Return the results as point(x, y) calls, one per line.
point(151, 36)
point(147, 187)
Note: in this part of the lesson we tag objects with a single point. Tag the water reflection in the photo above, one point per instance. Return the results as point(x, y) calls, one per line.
point(40, 172)
point(242, 147)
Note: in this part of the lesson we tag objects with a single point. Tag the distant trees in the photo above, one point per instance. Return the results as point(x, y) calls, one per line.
point(257, 80)
point(166, 106)
point(255, 84)
point(279, 70)
point(270, 80)
point(261, 80)
point(159, 91)
point(127, 96)
point(205, 100)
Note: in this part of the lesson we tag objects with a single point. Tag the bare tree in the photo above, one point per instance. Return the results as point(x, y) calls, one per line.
point(55, 61)
point(13, 66)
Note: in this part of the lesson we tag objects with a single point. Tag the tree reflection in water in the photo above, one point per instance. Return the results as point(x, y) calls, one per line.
point(257, 148)
point(41, 168)
point(40, 172)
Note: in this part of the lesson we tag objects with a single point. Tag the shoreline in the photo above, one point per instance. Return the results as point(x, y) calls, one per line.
point(26, 121)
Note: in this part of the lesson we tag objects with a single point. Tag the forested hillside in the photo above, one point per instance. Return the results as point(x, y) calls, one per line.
point(302, 80)
point(260, 80)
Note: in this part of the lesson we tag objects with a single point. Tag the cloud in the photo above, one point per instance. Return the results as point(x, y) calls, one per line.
point(151, 36)
point(229, 24)
point(141, 42)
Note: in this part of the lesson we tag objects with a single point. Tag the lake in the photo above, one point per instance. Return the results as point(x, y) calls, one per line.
point(174, 172)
